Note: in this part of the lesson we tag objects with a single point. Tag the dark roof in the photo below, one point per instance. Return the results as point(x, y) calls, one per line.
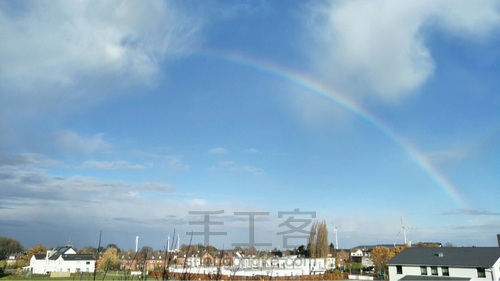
point(61, 252)
point(39, 256)
point(58, 252)
point(74, 257)
point(453, 256)
point(432, 278)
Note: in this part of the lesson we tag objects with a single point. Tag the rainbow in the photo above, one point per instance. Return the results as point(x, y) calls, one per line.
point(322, 90)
point(341, 100)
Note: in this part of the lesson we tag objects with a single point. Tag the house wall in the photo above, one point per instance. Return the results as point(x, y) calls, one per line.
point(496, 270)
point(454, 272)
point(357, 253)
point(72, 266)
point(37, 266)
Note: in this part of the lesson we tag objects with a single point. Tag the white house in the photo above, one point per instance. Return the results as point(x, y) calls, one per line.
point(454, 263)
point(61, 259)
point(357, 252)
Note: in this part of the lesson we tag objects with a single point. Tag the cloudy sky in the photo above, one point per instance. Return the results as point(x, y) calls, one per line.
point(130, 117)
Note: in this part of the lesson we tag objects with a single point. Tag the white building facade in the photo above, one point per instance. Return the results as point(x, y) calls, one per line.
point(61, 259)
point(457, 263)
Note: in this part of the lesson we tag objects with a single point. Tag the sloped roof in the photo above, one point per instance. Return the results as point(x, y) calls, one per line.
point(58, 252)
point(39, 256)
point(61, 252)
point(73, 257)
point(454, 256)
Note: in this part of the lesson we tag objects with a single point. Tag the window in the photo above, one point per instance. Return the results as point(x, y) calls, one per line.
point(399, 269)
point(88, 262)
point(446, 271)
point(423, 270)
point(481, 272)
point(434, 270)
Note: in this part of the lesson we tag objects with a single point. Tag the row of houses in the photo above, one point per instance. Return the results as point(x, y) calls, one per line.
point(227, 259)
point(67, 260)
point(418, 263)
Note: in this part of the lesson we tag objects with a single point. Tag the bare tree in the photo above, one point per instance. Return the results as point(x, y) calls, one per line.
point(167, 259)
point(186, 272)
point(311, 245)
point(322, 240)
point(318, 240)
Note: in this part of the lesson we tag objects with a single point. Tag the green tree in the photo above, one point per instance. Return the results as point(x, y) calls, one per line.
point(428, 245)
point(9, 246)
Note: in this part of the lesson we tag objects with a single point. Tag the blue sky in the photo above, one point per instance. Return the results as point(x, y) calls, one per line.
point(125, 116)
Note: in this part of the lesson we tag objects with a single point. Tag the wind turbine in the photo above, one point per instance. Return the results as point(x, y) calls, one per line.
point(168, 243)
point(404, 230)
point(336, 237)
point(136, 243)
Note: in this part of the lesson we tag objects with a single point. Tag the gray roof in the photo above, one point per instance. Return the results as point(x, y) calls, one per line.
point(58, 252)
point(61, 252)
point(39, 256)
point(453, 257)
point(73, 257)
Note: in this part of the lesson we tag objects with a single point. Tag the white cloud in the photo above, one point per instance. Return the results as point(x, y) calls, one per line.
point(239, 168)
point(110, 165)
point(72, 47)
point(379, 46)
point(218, 151)
point(252, 151)
point(159, 187)
point(176, 163)
point(72, 142)
point(58, 57)
point(34, 188)
point(27, 159)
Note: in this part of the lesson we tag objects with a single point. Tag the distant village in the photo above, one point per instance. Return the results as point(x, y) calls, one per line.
point(423, 261)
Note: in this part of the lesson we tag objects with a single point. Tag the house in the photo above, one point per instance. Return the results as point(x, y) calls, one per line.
point(12, 259)
point(156, 260)
point(466, 263)
point(342, 257)
point(362, 255)
point(61, 259)
point(207, 259)
point(357, 254)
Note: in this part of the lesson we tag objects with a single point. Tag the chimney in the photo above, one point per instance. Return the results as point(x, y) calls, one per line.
point(498, 238)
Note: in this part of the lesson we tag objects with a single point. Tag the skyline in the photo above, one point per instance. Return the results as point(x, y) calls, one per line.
point(125, 117)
